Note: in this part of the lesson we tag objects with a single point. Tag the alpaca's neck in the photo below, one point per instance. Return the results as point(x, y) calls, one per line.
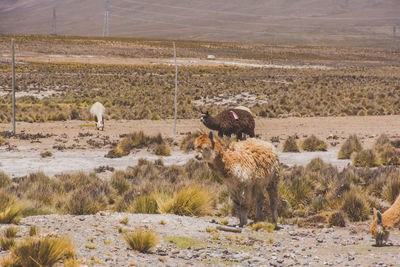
point(218, 164)
point(212, 123)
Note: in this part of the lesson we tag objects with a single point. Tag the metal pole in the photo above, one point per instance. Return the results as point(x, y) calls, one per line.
point(394, 48)
point(176, 88)
point(13, 84)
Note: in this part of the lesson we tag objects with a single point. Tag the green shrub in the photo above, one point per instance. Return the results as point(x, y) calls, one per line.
point(312, 143)
point(365, 158)
point(290, 145)
point(355, 205)
point(140, 240)
point(352, 144)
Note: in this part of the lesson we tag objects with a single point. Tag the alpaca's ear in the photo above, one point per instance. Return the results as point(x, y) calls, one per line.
point(211, 136)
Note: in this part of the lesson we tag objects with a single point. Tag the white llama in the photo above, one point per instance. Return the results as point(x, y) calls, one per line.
point(98, 110)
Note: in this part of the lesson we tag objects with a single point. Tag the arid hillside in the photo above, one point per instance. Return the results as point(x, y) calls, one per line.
point(366, 23)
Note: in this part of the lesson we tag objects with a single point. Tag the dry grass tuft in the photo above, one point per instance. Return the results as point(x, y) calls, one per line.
point(162, 150)
point(11, 232)
point(120, 183)
point(391, 189)
point(45, 251)
point(34, 230)
point(336, 219)
point(189, 201)
point(312, 143)
point(290, 145)
point(5, 180)
point(352, 144)
point(7, 243)
point(12, 214)
point(140, 240)
point(145, 204)
point(365, 158)
point(355, 205)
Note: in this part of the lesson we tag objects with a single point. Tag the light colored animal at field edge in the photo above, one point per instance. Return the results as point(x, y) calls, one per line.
point(248, 168)
point(98, 110)
point(383, 223)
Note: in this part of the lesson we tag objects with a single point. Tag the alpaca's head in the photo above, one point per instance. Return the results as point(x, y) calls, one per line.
point(379, 231)
point(205, 145)
point(205, 117)
point(99, 123)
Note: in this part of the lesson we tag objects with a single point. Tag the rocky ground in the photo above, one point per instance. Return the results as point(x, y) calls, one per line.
point(184, 241)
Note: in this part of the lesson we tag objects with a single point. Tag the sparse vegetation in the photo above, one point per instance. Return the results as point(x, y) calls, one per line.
point(139, 140)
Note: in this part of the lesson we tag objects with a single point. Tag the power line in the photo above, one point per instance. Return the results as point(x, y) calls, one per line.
point(105, 26)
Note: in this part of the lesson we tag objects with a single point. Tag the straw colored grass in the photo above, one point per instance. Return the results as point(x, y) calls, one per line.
point(45, 251)
point(140, 240)
point(189, 201)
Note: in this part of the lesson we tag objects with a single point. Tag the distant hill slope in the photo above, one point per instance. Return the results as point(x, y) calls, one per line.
point(366, 23)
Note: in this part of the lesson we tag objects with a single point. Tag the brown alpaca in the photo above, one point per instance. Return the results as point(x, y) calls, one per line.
point(231, 121)
point(382, 223)
point(248, 168)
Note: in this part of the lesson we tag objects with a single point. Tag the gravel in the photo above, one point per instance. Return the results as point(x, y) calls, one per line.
point(290, 246)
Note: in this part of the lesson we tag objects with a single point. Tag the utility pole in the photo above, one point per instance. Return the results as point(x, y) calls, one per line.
point(53, 24)
point(105, 26)
point(13, 84)
point(394, 46)
point(176, 89)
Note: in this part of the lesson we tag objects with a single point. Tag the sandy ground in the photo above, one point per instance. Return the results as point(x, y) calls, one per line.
point(76, 146)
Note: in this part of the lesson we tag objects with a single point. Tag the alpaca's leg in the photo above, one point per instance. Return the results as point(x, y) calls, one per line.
point(221, 134)
point(239, 136)
point(251, 133)
point(243, 215)
point(273, 200)
point(259, 202)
